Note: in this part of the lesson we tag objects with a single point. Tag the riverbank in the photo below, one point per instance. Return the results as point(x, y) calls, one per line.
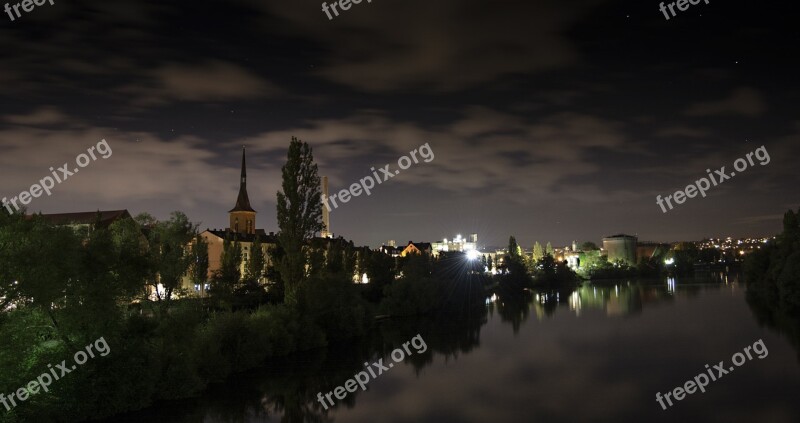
point(523, 353)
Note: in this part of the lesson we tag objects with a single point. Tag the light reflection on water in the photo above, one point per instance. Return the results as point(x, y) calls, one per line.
point(596, 353)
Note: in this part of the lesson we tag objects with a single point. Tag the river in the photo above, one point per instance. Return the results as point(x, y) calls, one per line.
point(599, 353)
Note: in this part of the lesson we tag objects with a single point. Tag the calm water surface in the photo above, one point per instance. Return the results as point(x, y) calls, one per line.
point(594, 354)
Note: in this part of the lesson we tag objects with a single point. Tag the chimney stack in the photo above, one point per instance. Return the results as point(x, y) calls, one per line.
point(326, 218)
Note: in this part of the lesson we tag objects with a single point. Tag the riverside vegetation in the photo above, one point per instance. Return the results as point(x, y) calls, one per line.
point(773, 281)
point(61, 288)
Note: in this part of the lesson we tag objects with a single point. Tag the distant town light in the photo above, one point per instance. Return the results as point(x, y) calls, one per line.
point(473, 254)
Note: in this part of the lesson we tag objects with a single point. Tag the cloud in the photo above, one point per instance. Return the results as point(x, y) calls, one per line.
point(45, 115)
point(743, 101)
point(682, 131)
point(209, 81)
point(180, 172)
point(760, 218)
point(50, 51)
point(445, 45)
point(482, 151)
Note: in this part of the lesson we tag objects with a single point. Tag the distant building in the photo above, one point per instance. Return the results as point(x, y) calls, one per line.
point(646, 250)
point(83, 222)
point(391, 250)
point(578, 258)
point(573, 260)
point(242, 218)
point(456, 244)
point(215, 239)
point(423, 248)
point(621, 247)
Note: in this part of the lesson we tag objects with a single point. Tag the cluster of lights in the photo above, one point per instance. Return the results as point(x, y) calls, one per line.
point(742, 244)
point(458, 243)
point(729, 245)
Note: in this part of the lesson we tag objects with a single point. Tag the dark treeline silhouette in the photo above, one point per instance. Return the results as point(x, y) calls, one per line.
point(772, 274)
point(61, 289)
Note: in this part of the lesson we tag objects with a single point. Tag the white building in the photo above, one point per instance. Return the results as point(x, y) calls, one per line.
point(456, 244)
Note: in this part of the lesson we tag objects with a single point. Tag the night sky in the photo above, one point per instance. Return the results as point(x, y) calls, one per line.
point(549, 120)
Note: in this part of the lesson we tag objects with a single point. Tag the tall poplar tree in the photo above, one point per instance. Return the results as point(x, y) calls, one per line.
point(513, 247)
point(199, 267)
point(299, 214)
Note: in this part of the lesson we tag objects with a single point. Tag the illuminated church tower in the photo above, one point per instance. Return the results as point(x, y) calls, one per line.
point(242, 216)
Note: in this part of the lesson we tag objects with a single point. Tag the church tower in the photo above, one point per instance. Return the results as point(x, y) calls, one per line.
point(242, 216)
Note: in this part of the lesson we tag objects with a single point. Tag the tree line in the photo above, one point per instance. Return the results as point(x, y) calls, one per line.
point(60, 289)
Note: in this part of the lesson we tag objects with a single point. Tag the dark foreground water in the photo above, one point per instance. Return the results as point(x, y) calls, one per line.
point(595, 354)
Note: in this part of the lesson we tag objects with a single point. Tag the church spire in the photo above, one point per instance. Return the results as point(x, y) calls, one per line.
point(244, 168)
point(243, 201)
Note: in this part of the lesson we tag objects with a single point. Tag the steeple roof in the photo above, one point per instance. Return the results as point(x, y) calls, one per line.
point(243, 201)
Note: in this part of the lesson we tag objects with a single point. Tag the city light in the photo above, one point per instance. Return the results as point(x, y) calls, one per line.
point(473, 254)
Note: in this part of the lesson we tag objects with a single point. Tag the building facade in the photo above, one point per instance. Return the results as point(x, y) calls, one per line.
point(422, 248)
point(242, 218)
point(456, 244)
point(621, 247)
